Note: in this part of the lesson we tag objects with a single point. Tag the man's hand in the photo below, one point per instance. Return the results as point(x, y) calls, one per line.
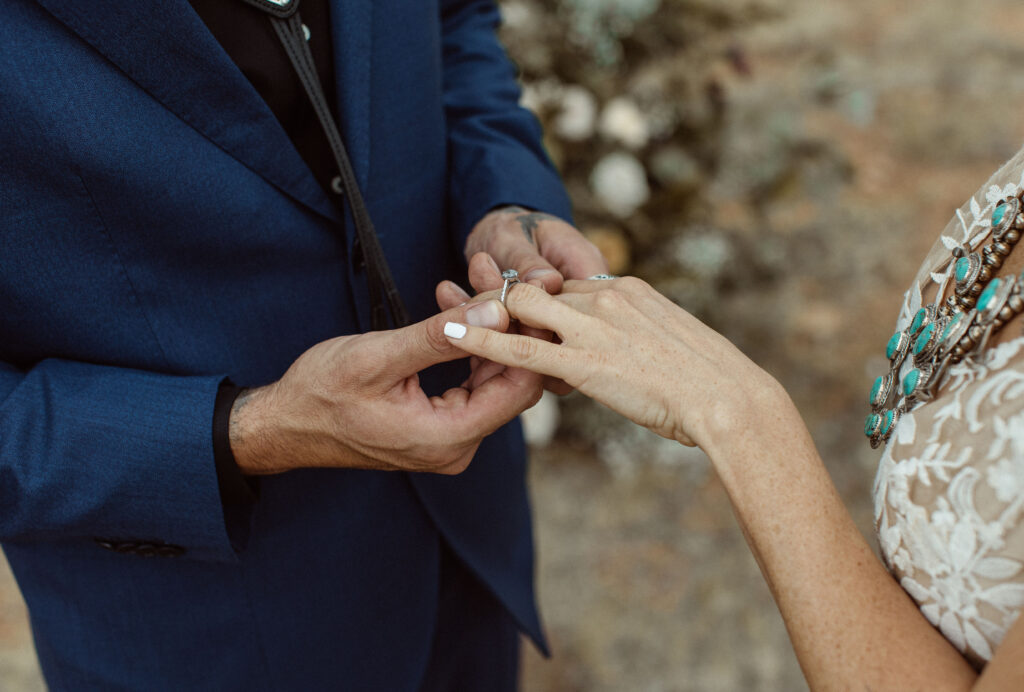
point(544, 250)
point(356, 402)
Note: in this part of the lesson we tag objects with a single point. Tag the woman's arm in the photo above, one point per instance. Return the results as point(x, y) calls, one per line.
point(625, 345)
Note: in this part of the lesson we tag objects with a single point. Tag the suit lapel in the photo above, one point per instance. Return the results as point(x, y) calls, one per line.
point(165, 48)
point(351, 30)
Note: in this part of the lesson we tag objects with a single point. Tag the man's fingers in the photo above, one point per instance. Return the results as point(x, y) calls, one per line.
point(525, 258)
point(513, 250)
point(423, 344)
point(449, 295)
point(484, 273)
point(484, 370)
point(571, 253)
point(558, 386)
point(514, 350)
point(493, 403)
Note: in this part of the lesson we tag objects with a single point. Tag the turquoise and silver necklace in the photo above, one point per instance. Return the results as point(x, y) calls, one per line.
point(950, 331)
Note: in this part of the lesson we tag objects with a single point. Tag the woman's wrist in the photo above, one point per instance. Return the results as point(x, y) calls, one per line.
point(759, 415)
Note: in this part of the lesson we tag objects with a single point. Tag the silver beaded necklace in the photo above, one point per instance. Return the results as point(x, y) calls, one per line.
point(947, 332)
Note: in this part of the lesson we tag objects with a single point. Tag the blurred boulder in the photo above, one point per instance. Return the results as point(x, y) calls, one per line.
point(619, 181)
point(622, 122)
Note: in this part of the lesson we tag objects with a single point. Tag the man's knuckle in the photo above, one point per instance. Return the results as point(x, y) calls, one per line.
point(436, 458)
point(452, 465)
point(436, 339)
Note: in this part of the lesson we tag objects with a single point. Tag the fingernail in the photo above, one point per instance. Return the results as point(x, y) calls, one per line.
point(493, 264)
point(454, 330)
point(538, 273)
point(484, 315)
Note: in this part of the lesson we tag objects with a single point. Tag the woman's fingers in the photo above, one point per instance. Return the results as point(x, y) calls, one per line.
point(625, 284)
point(514, 350)
point(535, 308)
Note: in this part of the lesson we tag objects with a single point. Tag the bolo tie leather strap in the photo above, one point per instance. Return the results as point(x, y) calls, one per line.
point(384, 296)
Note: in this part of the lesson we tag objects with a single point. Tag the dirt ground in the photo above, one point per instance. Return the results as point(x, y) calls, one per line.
point(645, 581)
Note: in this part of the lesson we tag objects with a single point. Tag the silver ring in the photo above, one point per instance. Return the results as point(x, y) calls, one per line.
point(511, 277)
point(601, 277)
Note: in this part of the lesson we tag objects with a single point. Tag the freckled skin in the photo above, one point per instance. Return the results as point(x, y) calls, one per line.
point(850, 623)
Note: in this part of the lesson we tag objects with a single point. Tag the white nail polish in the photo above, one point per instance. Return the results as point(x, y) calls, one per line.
point(454, 330)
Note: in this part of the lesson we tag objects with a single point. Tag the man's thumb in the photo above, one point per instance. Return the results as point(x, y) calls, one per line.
point(423, 344)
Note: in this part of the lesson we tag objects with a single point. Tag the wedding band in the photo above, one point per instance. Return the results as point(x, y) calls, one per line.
point(511, 277)
point(601, 277)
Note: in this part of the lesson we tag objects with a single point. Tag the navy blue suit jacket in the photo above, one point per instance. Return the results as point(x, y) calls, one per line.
point(158, 234)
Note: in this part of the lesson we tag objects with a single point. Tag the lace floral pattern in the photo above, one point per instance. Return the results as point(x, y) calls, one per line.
point(949, 494)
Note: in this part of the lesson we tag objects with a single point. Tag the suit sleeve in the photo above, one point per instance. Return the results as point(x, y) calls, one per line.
point(494, 145)
point(94, 452)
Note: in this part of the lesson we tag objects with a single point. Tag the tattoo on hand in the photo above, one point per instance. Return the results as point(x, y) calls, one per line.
point(529, 222)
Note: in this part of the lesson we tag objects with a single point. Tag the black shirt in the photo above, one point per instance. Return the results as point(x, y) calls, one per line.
point(248, 38)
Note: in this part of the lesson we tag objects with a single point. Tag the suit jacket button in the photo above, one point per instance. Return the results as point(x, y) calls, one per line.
point(170, 551)
point(141, 548)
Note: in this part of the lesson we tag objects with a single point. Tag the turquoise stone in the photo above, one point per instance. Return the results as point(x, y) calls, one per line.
point(923, 338)
point(875, 390)
point(910, 381)
point(998, 214)
point(962, 268)
point(951, 325)
point(986, 296)
point(887, 418)
point(893, 345)
point(919, 319)
point(871, 424)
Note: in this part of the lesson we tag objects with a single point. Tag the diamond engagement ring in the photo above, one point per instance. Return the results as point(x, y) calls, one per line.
point(511, 277)
point(601, 277)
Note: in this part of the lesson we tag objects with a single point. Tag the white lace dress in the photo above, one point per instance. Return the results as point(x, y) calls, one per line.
point(949, 494)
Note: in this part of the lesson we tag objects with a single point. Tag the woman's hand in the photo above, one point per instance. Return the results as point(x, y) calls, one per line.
point(851, 624)
point(632, 349)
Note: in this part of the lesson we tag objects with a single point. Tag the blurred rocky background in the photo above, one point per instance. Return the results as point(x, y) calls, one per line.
point(779, 168)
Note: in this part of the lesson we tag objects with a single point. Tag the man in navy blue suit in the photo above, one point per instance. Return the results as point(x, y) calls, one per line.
point(196, 422)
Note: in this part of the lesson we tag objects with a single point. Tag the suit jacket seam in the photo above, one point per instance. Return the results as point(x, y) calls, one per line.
point(133, 292)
